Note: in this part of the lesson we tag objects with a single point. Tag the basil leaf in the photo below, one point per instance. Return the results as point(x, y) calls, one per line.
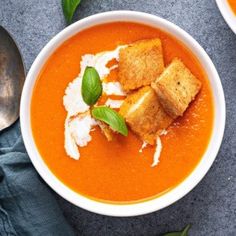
point(69, 7)
point(91, 88)
point(112, 118)
point(184, 232)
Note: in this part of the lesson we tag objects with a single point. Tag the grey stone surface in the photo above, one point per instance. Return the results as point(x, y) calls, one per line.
point(211, 206)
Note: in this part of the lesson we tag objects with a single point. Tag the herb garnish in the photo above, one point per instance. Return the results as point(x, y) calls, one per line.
point(184, 232)
point(91, 86)
point(91, 91)
point(112, 118)
point(69, 7)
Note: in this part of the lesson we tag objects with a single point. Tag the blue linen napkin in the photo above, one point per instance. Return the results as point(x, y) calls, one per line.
point(27, 205)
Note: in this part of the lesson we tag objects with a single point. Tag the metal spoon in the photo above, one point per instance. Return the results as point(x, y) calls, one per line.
point(12, 76)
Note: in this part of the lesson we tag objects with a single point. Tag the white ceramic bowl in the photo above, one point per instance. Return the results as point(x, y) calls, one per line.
point(137, 208)
point(227, 13)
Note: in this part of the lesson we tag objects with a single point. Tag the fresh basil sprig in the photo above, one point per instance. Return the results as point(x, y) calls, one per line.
point(69, 7)
point(91, 86)
point(184, 232)
point(112, 118)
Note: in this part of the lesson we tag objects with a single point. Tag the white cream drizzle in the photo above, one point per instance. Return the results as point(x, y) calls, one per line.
point(77, 125)
point(158, 150)
point(77, 132)
point(113, 88)
point(100, 60)
point(157, 153)
point(114, 103)
point(164, 132)
point(73, 101)
point(143, 146)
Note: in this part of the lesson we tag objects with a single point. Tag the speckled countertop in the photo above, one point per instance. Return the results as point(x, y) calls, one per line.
point(211, 206)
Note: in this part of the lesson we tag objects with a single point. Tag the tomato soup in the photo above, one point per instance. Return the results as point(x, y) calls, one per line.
point(232, 4)
point(116, 171)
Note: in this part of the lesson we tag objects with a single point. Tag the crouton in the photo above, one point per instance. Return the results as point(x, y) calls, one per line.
point(144, 114)
point(108, 133)
point(140, 64)
point(176, 87)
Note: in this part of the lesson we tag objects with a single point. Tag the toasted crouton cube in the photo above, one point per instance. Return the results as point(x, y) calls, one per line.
point(176, 88)
point(140, 63)
point(144, 114)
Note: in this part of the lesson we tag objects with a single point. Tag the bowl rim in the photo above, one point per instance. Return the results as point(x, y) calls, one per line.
point(140, 208)
point(227, 14)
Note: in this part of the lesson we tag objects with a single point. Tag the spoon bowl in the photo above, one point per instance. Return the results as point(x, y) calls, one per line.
point(12, 76)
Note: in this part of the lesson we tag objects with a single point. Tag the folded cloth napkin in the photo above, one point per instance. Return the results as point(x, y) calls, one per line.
point(27, 205)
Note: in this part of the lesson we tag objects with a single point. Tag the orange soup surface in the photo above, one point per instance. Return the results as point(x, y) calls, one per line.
point(232, 4)
point(116, 171)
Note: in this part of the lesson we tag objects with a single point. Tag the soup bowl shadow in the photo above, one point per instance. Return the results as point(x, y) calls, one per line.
point(169, 197)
